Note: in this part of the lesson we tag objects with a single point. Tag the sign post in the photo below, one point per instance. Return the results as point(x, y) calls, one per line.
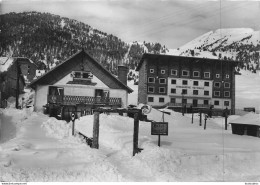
point(96, 130)
point(159, 128)
point(135, 136)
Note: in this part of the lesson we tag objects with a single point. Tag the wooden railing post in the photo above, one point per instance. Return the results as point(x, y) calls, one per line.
point(96, 130)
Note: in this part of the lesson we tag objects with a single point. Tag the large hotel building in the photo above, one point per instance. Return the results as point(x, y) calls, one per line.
point(175, 81)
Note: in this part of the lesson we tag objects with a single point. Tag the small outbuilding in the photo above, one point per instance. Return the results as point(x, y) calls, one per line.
point(248, 124)
point(12, 80)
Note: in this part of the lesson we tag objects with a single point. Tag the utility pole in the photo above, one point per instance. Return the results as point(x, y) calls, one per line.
point(17, 84)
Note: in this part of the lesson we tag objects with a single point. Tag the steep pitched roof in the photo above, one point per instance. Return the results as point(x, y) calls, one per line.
point(63, 68)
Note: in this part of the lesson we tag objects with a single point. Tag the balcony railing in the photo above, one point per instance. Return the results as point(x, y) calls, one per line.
point(187, 105)
point(72, 100)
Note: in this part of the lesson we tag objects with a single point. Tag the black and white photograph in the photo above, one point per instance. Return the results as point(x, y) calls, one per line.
point(129, 91)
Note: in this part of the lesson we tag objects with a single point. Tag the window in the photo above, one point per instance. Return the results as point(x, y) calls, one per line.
point(82, 75)
point(216, 93)
point(227, 85)
point(184, 91)
point(162, 81)
point(77, 74)
point(195, 83)
point(173, 81)
point(227, 76)
point(185, 73)
point(87, 75)
point(206, 93)
point(184, 82)
point(207, 75)
point(226, 103)
point(151, 70)
point(226, 94)
point(184, 101)
point(196, 74)
point(161, 100)
point(195, 103)
point(162, 71)
point(173, 91)
point(150, 89)
point(216, 102)
point(206, 102)
point(150, 99)
point(151, 80)
point(217, 84)
point(195, 92)
point(174, 72)
point(173, 100)
point(162, 90)
point(206, 84)
point(217, 75)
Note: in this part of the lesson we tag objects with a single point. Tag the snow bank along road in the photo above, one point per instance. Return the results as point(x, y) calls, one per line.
point(43, 149)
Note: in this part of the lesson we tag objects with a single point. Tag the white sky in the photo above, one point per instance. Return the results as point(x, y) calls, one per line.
point(168, 22)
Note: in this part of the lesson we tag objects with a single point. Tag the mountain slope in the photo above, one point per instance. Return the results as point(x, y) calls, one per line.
point(240, 44)
point(49, 39)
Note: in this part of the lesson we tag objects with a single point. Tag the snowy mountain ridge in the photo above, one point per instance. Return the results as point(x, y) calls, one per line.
point(240, 44)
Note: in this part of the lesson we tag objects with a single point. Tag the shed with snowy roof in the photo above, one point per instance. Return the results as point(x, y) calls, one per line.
point(248, 124)
point(9, 71)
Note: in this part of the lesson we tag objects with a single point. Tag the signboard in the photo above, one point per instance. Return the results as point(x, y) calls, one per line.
point(159, 128)
point(188, 87)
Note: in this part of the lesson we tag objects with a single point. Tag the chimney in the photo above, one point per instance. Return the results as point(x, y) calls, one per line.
point(122, 73)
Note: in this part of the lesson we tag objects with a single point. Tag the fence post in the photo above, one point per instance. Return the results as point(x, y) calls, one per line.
point(73, 117)
point(205, 121)
point(191, 114)
point(62, 113)
point(200, 118)
point(226, 113)
point(136, 130)
point(96, 130)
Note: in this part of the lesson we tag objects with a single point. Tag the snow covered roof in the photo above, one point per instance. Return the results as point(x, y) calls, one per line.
point(248, 119)
point(5, 63)
point(191, 59)
point(48, 77)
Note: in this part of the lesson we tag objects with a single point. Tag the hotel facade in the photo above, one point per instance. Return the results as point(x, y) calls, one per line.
point(177, 81)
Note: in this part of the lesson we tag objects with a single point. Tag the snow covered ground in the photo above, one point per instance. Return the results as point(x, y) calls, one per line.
point(35, 147)
point(42, 149)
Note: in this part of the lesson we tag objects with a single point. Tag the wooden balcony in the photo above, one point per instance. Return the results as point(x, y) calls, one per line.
point(88, 100)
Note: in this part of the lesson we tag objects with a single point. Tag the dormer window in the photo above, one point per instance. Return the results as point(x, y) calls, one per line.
point(206, 74)
point(174, 72)
point(185, 73)
point(82, 75)
point(196, 74)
